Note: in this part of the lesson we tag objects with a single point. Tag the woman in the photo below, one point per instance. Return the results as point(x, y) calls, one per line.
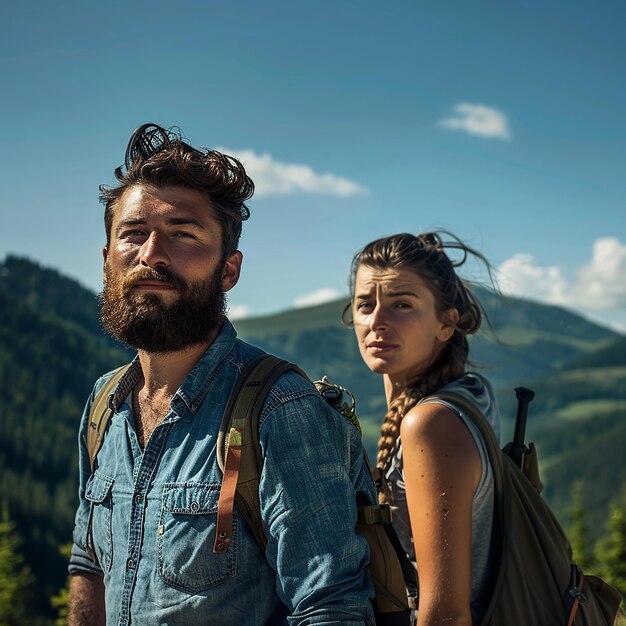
point(411, 315)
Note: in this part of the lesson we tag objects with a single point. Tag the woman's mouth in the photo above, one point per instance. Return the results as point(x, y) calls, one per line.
point(378, 347)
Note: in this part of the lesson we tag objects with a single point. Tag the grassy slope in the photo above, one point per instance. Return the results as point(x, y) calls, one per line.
point(573, 365)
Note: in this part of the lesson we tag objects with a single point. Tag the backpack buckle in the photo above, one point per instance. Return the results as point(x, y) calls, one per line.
point(340, 398)
point(578, 595)
point(374, 514)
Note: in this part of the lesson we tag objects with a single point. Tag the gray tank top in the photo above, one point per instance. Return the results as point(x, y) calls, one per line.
point(478, 390)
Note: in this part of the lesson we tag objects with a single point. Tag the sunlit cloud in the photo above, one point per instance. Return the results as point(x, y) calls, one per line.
point(325, 294)
point(238, 312)
point(522, 276)
point(599, 285)
point(273, 177)
point(478, 119)
point(602, 282)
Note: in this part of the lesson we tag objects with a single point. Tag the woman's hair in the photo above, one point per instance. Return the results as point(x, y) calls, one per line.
point(425, 255)
point(159, 157)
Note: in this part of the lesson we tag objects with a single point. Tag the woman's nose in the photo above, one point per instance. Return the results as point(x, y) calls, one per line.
point(378, 319)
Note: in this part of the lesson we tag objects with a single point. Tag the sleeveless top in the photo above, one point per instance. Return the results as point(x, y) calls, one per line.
point(478, 390)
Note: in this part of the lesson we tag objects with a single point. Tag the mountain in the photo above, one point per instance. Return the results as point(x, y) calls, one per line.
point(520, 341)
point(578, 421)
point(52, 349)
point(51, 352)
point(576, 368)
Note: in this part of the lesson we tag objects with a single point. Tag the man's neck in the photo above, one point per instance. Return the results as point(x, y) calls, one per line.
point(164, 373)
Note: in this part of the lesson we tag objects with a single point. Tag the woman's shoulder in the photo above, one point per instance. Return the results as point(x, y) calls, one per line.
point(434, 439)
point(432, 423)
point(478, 390)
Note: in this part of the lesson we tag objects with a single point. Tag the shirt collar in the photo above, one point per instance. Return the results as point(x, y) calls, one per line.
point(197, 382)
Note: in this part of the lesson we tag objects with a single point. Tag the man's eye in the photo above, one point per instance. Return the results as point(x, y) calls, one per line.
point(133, 233)
point(184, 235)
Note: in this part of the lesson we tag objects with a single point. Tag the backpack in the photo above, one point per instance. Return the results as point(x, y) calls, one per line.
point(534, 581)
point(240, 459)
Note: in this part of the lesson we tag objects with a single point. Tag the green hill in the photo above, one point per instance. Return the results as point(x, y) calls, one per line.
point(577, 369)
point(578, 421)
point(526, 340)
point(52, 350)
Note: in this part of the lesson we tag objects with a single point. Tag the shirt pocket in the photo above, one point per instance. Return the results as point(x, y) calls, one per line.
point(186, 536)
point(99, 528)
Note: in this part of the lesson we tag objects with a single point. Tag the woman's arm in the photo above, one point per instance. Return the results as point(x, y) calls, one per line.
point(442, 469)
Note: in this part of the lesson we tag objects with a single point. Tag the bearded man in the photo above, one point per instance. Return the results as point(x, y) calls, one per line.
point(146, 520)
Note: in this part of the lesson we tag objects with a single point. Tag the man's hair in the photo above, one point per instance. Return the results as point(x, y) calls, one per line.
point(160, 158)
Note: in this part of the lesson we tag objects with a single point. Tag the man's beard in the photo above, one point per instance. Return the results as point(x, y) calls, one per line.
point(144, 321)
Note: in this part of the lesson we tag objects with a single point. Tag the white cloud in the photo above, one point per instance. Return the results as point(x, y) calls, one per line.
point(600, 285)
point(275, 178)
point(478, 119)
point(238, 312)
point(325, 294)
point(521, 276)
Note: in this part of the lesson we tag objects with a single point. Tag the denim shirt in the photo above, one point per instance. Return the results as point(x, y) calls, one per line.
point(153, 511)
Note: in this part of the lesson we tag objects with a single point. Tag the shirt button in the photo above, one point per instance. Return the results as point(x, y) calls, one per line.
point(138, 498)
point(194, 506)
point(130, 564)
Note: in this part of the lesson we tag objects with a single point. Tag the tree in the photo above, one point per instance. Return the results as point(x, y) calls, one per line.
point(611, 548)
point(59, 601)
point(15, 576)
point(579, 532)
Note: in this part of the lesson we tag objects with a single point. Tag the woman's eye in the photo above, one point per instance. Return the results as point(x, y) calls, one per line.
point(364, 306)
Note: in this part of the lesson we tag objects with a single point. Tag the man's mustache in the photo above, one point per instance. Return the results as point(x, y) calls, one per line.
point(163, 275)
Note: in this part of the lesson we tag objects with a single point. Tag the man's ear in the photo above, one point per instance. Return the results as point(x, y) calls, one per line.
point(105, 256)
point(449, 320)
point(232, 270)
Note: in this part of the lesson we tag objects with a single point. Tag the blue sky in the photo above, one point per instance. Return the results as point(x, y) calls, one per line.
point(502, 122)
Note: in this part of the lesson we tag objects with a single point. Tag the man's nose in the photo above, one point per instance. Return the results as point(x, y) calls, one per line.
point(154, 251)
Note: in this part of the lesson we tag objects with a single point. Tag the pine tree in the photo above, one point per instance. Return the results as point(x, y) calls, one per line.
point(579, 532)
point(611, 548)
point(15, 576)
point(59, 601)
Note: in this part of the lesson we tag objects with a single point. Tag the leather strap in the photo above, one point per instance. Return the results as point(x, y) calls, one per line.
point(575, 595)
point(223, 530)
point(240, 429)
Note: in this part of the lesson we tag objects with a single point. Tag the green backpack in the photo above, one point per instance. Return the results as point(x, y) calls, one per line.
point(240, 459)
point(535, 581)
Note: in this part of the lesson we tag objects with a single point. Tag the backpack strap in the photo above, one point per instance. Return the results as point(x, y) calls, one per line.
point(100, 414)
point(475, 415)
point(238, 449)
